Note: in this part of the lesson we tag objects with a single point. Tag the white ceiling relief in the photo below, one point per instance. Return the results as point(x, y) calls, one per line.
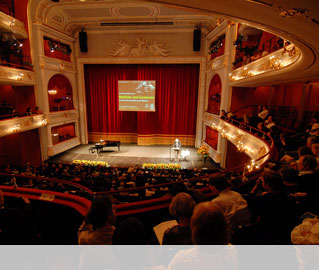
point(71, 15)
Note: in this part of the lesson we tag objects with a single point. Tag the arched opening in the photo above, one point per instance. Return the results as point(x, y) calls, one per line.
point(60, 93)
point(214, 94)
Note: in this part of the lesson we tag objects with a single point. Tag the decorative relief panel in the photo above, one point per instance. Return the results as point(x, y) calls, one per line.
point(140, 47)
point(56, 65)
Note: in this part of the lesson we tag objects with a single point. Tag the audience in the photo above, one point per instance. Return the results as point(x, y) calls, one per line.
point(272, 201)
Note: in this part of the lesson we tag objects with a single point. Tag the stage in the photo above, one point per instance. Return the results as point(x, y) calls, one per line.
point(131, 154)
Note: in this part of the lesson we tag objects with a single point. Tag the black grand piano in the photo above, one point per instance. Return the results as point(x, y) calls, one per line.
point(102, 144)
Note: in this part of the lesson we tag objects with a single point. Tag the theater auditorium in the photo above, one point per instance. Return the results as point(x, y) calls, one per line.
point(160, 123)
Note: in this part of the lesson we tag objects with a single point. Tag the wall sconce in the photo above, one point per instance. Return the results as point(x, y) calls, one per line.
point(16, 128)
point(252, 166)
point(44, 122)
point(12, 23)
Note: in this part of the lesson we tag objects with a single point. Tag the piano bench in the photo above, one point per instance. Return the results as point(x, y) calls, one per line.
point(92, 150)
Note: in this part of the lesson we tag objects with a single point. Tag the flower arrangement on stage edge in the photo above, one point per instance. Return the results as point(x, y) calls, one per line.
point(160, 166)
point(92, 163)
point(203, 150)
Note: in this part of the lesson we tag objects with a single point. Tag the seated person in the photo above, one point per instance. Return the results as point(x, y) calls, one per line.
point(290, 180)
point(315, 126)
point(264, 113)
point(233, 206)
point(181, 207)
point(269, 122)
point(97, 228)
point(308, 177)
point(273, 211)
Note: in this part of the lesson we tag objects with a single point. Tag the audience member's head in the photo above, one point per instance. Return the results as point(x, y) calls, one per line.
point(315, 149)
point(304, 150)
point(182, 206)
point(223, 113)
point(218, 182)
point(270, 119)
point(272, 181)
point(208, 225)
point(307, 163)
point(260, 125)
point(101, 212)
point(130, 232)
point(289, 175)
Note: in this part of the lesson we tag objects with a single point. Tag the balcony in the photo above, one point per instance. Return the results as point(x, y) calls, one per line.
point(16, 76)
point(20, 124)
point(274, 62)
point(12, 25)
point(243, 137)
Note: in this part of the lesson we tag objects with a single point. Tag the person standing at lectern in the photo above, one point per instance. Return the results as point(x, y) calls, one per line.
point(177, 148)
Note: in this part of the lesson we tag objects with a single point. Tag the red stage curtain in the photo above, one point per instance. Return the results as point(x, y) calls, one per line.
point(176, 99)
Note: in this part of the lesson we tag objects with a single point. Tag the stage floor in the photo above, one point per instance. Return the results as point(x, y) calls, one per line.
point(131, 154)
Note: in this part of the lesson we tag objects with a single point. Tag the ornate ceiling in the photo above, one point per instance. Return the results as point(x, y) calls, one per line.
point(71, 15)
point(295, 20)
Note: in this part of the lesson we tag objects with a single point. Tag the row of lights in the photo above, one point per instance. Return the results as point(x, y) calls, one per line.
point(241, 147)
point(252, 166)
point(17, 127)
point(274, 62)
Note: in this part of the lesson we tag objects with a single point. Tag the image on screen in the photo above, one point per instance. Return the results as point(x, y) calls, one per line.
point(136, 96)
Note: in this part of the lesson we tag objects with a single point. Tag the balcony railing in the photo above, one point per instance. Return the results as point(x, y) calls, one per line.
point(275, 61)
point(12, 25)
point(16, 76)
point(20, 124)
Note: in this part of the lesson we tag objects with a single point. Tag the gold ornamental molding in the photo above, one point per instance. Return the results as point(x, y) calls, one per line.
point(12, 25)
point(15, 76)
point(277, 60)
point(246, 142)
point(20, 124)
point(62, 117)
